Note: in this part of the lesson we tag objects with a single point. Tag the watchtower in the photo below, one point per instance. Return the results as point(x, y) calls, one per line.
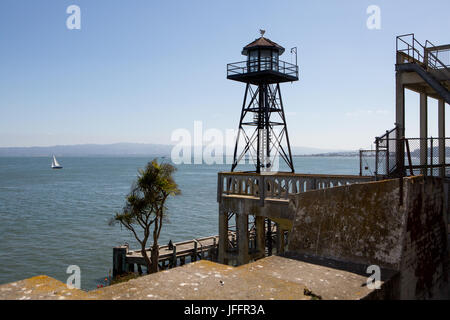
point(262, 110)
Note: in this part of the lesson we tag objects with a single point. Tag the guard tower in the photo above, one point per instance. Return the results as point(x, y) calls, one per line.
point(263, 132)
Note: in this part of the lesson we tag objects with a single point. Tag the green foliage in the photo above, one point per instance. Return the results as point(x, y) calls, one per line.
point(145, 204)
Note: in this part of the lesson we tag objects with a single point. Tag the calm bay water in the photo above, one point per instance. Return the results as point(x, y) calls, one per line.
point(51, 219)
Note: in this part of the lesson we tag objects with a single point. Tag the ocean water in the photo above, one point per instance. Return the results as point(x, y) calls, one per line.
point(51, 219)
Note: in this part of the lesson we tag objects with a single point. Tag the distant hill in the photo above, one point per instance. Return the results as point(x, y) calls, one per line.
point(118, 149)
point(416, 152)
point(305, 151)
point(331, 154)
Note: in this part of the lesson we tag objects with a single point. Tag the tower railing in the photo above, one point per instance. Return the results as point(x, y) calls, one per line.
point(244, 67)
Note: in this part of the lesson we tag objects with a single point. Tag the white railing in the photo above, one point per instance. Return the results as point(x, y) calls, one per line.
point(279, 185)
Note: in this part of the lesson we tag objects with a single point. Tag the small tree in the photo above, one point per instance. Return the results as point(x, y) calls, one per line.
point(145, 206)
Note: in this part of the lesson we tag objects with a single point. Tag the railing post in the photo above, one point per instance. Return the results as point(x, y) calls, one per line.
point(377, 140)
point(431, 157)
point(387, 153)
point(360, 162)
point(408, 153)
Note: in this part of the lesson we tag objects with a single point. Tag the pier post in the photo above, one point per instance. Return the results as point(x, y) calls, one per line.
point(174, 256)
point(119, 258)
point(194, 256)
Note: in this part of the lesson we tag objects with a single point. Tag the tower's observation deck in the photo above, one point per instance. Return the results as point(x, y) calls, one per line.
point(262, 71)
point(263, 65)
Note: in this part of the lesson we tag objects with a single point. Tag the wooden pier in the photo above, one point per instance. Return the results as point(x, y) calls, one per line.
point(124, 260)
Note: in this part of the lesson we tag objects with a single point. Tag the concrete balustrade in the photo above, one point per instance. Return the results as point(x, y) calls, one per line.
point(279, 185)
point(240, 194)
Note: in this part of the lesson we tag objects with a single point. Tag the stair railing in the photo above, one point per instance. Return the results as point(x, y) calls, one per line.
point(436, 60)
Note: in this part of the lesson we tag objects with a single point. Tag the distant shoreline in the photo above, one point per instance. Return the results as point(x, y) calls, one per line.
point(334, 154)
point(135, 149)
point(167, 156)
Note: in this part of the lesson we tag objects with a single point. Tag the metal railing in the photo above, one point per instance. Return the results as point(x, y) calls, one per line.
point(269, 64)
point(385, 152)
point(410, 47)
point(437, 57)
point(431, 57)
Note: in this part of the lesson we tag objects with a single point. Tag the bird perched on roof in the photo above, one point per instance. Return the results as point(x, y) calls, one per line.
point(262, 32)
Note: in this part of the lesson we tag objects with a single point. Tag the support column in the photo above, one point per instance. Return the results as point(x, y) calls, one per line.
point(423, 131)
point(280, 240)
point(400, 119)
point(441, 129)
point(242, 238)
point(269, 237)
point(223, 235)
point(260, 236)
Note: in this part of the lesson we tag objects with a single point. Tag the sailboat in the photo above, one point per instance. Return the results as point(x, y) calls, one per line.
point(55, 164)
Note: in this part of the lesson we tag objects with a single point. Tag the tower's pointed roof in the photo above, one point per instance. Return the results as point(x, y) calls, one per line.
point(263, 43)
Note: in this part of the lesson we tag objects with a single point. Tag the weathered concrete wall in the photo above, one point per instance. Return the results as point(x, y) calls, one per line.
point(396, 224)
point(424, 254)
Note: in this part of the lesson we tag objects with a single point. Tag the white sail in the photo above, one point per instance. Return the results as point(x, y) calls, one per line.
point(55, 163)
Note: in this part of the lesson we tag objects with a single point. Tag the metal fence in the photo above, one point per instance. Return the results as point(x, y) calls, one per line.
point(428, 156)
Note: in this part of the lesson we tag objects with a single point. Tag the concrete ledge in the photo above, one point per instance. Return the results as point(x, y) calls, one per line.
point(272, 278)
point(40, 288)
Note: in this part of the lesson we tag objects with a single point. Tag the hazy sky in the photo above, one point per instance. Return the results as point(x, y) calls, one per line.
point(139, 69)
